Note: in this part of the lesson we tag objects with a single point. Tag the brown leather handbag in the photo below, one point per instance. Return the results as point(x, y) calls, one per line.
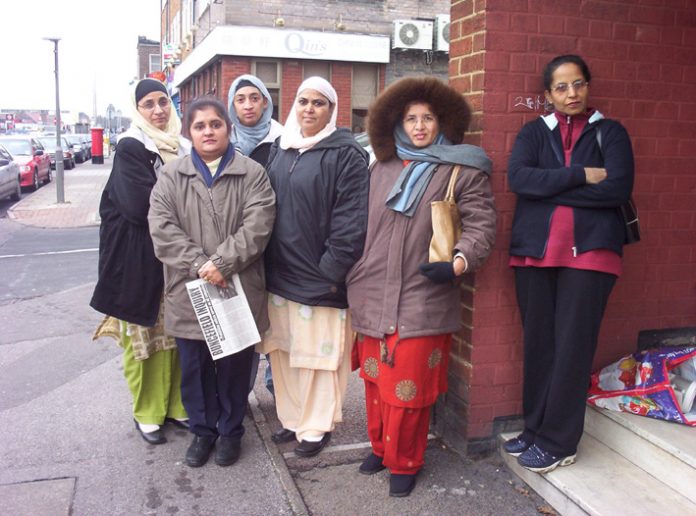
point(447, 224)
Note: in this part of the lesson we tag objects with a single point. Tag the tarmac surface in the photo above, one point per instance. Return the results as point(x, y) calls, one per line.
point(70, 446)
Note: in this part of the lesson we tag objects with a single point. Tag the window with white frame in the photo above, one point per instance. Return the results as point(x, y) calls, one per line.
point(155, 63)
point(269, 73)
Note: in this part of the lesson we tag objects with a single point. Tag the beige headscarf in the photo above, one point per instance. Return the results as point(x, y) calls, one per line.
point(167, 141)
point(291, 136)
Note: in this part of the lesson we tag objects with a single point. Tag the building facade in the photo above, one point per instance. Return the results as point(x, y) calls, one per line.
point(358, 45)
point(149, 57)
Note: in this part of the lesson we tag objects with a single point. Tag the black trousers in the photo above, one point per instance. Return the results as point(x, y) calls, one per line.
point(214, 392)
point(561, 312)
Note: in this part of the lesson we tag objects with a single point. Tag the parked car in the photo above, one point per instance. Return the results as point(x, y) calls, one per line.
point(364, 142)
point(87, 144)
point(32, 158)
point(9, 176)
point(77, 147)
point(49, 143)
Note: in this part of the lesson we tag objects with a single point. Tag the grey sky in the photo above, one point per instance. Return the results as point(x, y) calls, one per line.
point(97, 49)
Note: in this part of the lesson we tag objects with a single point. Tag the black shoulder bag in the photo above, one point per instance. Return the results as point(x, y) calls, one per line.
point(628, 210)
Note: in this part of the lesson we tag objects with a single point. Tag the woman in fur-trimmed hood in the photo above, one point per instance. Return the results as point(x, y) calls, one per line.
point(404, 304)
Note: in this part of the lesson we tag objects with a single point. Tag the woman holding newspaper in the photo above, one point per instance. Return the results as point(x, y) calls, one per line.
point(211, 217)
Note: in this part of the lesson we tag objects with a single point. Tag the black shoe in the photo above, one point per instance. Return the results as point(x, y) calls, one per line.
point(516, 446)
point(227, 450)
point(371, 465)
point(310, 449)
point(155, 437)
point(283, 436)
point(199, 450)
point(401, 485)
point(181, 424)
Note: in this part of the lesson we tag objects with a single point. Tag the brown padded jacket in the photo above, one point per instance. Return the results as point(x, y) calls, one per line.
point(386, 291)
point(230, 224)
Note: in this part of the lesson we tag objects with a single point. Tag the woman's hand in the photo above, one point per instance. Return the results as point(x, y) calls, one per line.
point(210, 273)
point(595, 175)
point(459, 265)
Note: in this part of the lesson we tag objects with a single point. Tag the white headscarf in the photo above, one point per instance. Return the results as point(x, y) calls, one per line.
point(167, 141)
point(292, 134)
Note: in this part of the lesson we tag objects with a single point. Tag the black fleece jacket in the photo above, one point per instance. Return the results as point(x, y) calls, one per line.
point(539, 177)
point(319, 232)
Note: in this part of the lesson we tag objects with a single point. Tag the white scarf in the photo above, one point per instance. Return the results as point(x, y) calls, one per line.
point(292, 138)
point(167, 140)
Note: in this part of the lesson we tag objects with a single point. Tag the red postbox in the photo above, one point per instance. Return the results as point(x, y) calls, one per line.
point(97, 145)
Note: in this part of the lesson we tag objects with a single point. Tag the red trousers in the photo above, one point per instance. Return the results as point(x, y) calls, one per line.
point(399, 435)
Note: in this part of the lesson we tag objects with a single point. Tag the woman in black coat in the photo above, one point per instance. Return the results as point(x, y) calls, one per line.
point(571, 171)
point(130, 283)
point(319, 174)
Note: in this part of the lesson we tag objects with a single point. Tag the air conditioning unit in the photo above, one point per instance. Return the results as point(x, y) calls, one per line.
point(442, 32)
point(413, 34)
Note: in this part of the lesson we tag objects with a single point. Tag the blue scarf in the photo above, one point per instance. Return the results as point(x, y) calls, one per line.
point(411, 184)
point(200, 165)
point(247, 138)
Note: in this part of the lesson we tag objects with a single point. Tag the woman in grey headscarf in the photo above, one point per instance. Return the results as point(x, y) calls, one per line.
point(251, 108)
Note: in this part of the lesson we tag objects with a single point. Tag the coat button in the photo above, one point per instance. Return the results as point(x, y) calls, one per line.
point(391, 329)
point(333, 290)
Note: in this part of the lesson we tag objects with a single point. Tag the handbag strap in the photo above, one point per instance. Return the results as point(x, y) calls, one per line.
point(449, 195)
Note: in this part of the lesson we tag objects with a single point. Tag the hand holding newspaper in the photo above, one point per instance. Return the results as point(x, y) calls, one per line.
point(224, 316)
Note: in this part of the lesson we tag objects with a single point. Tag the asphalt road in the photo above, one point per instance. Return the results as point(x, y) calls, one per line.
point(36, 262)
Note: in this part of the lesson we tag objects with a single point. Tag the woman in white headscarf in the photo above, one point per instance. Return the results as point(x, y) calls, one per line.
point(320, 177)
point(130, 284)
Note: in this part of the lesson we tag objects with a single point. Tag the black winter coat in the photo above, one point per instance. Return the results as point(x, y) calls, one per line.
point(321, 220)
point(538, 175)
point(130, 276)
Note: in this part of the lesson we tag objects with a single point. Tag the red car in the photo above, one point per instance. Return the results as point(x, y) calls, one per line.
point(33, 160)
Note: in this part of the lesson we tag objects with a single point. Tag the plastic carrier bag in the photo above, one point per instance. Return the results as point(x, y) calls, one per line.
point(658, 383)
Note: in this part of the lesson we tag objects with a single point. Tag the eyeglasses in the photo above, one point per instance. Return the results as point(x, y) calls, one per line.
point(563, 87)
point(149, 105)
point(425, 119)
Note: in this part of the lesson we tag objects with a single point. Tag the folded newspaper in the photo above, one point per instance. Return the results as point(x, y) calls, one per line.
point(224, 316)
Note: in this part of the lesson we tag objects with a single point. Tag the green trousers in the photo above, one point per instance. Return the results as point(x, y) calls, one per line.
point(155, 384)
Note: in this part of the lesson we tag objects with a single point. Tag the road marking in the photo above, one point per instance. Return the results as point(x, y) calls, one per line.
point(344, 447)
point(48, 253)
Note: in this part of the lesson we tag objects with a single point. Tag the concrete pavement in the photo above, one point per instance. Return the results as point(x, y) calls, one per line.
point(71, 448)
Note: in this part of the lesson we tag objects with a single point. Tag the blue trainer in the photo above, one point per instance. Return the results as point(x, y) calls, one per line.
point(516, 446)
point(537, 460)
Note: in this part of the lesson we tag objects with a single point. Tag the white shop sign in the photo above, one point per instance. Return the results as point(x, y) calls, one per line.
point(283, 43)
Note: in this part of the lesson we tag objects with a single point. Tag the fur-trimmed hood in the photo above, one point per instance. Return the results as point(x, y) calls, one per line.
point(387, 111)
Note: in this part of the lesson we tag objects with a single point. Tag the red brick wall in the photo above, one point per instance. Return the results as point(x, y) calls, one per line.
point(643, 59)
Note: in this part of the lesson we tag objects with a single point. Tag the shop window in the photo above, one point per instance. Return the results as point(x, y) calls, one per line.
point(269, 73)
point(364, 90)
point(317, 69)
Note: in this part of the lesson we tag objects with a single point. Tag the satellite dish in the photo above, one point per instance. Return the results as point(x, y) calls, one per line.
point(409, 34)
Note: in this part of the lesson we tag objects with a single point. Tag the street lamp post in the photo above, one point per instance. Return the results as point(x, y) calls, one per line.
point(60, 192)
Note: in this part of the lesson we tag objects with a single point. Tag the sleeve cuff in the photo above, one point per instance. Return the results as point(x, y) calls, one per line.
point(197, 264)
point(466, 263)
